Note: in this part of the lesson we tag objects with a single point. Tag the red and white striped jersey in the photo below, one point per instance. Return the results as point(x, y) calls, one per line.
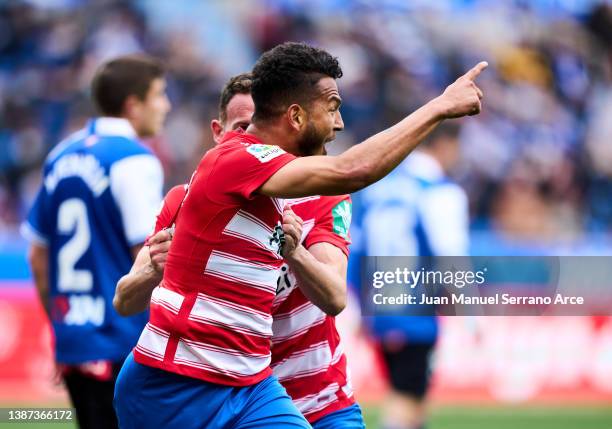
point(307, 354)
point(211, 316)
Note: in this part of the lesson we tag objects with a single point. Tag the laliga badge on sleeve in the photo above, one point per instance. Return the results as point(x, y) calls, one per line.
point(265, 152)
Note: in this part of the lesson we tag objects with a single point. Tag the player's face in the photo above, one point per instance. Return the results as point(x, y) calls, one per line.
point(324, 119)
point(148, 115)
point(238, 116)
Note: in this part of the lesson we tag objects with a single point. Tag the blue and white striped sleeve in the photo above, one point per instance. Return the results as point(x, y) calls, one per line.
point(136, 185)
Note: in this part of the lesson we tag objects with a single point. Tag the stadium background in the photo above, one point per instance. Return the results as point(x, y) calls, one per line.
point(537, 163)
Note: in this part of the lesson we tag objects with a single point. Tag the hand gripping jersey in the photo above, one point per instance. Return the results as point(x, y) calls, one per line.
point(307, 354)
point(101, 189)
point(211, 317)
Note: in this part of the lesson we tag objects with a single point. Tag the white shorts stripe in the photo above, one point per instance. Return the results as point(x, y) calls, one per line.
point(153, 342)
point(231, 315)
point(234, 268)
point(312, 360)
point(297, 322)
point(217, 359)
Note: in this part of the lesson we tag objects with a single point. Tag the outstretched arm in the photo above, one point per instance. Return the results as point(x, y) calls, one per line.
point(370, 161)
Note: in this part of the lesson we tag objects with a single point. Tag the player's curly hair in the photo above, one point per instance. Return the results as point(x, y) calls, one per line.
point(288, 74)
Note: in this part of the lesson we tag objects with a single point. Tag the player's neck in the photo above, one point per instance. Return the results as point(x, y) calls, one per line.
point(271, 134)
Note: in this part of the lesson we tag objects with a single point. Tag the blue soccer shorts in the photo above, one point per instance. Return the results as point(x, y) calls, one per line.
point(346, 418)
point(149, 398)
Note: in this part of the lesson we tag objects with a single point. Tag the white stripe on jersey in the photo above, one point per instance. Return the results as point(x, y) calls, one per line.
point(247, 227)
point(338, 353)
point(236, 317)
point(317, 401)
point(279, 204)
point(306, 228)
point(348, 387)
point(237, 269)
point(153, 342)
point(167, 298)
point(295, 201)
point(296, 322)
point(217, 359)
point(309, 361)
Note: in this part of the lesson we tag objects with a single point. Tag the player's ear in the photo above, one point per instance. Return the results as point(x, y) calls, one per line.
point(131, 106)
point(297, 117)
point(217, 130)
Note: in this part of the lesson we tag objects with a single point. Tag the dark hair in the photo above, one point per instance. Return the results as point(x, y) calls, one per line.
point(239, 84)
point(288, 74)
point(117, 79)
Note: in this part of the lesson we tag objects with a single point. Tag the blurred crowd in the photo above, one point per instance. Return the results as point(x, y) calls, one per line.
point(537, 163)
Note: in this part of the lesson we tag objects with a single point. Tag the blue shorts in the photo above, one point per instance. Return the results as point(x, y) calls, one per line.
point(347, 418)
point(148, 398)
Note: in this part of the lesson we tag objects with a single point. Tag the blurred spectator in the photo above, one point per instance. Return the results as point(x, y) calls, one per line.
point(429, 218)
point(538, 155)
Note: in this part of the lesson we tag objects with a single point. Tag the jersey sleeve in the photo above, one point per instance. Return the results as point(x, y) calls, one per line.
point(136, 184)
point(332, 224)
point(170, 208)
point(243, 171)
point(37, 227)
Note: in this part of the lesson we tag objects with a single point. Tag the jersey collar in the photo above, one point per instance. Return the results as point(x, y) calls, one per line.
point(239, 134)
point(116, 127)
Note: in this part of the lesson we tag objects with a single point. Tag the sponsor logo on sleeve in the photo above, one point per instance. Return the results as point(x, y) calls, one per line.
point(342, 214)
point(264, 152)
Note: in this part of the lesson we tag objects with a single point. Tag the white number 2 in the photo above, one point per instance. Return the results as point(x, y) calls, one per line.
point(72, 219)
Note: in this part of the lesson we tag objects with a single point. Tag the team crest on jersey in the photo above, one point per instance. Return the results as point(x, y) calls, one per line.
point(265, 152)
point(342, 214)
point(277, 239)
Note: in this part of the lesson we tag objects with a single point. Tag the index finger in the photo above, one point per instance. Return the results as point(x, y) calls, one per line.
point(475, 71)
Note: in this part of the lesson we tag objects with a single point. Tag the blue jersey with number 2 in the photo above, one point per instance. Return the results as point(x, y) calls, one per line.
point(93, 206)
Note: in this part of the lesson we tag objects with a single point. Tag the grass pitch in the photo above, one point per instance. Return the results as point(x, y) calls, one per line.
point(468, 417)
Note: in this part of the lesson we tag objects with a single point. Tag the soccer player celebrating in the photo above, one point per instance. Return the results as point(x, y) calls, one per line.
point(306, 355)
point(204, 357)
point(100, 193)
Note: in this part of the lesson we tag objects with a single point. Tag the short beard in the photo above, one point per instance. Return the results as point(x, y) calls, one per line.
point(311, 142)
